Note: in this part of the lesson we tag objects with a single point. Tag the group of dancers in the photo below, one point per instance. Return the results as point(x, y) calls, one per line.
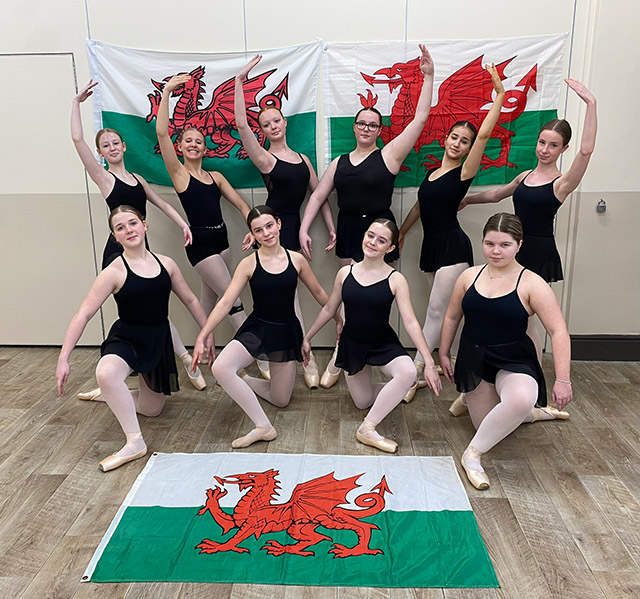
point(498, 367)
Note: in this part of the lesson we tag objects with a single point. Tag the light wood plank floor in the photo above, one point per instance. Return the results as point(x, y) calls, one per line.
point(561, 519)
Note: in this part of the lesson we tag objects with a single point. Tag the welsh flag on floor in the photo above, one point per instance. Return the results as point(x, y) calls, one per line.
point(387, 75)
point(129, 93)
point(318, 520)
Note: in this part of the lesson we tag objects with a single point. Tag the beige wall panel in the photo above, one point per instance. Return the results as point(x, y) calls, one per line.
point(46, 268)
point(604, 297)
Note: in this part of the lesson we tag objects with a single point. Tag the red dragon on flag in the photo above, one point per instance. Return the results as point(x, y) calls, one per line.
point(461, 97)
point(217, 121)
point(313, 503)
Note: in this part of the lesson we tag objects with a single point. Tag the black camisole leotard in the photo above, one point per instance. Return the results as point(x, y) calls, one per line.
point(141, 335)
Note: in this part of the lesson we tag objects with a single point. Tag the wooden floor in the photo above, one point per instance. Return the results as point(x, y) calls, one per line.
point(561, 519)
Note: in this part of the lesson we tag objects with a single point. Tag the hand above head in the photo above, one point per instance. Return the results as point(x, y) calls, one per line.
point(86, 91)
point(244, 72)
point(495, 78)
point(176, 81)
point(581, 90)
point(426, 62)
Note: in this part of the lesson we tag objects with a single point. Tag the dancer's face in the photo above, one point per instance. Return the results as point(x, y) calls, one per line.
point(273, 124)
point(550, 146)
point(377, 241)
point(266, 230)
point(458, 143)
point(128, 229)
point(370, 122)
point(111, 147)
point(499, 249)
point(192, 144)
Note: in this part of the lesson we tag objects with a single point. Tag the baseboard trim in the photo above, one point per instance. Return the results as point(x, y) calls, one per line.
point(607, 348)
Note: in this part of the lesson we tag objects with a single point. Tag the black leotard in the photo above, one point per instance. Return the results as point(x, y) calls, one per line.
point(201, 203)
point(141, 335)
point(272, 331)
point(536, 206)
point(444, 242)
point(123, 194)
point(287, 184)
point(364, 192)
point(367, 337)
point(495, 338)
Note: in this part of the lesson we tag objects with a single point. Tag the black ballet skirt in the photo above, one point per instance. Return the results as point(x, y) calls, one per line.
point(272, 331)
point(141, 336)
point(495, 338)
point(367, 337)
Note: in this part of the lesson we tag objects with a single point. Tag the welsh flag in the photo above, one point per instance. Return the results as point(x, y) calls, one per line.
point(387, 75)
point(320, 520)
point(130, 89)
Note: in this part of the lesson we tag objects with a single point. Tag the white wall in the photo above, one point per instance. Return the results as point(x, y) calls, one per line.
point(46, 236)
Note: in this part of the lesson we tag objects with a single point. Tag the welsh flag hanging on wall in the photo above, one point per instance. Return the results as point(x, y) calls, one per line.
point(321, 520)
point(130, 87)
point(387, 75)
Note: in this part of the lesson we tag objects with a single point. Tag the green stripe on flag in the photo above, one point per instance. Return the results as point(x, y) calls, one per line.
point(521, 153)
point(140, 138)
point(421, 549)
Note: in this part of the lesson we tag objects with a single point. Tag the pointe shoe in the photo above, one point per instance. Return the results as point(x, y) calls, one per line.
point(197, 380)
point(408, 398)
point(363, 434)
point(311, 376)
point(115, 461)
point(458, 407)
point(265, 373)
point(257, 434)
point(90, 395)
point(478, 478)
point(328, 380)
point(551, 411)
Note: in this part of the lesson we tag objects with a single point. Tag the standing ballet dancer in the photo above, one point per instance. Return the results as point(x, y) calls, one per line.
point(364, 181)
point(271, 332)
point(446, 249)
point(120, 187)
point(497, 367)
point(367, 289)
point(287, 176)
point(140, 340)
point(199, 192)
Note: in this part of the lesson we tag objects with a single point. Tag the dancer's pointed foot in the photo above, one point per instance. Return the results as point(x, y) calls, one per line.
point(368, 435)
point(92, 395)
point(311, 375)
point(134, 449)
point(548, 413)
point(196, 378)
point(408, 398)
point(263, 367)
point(473, 468)
point(257, 434)
point(458, 407)
point(331, 374)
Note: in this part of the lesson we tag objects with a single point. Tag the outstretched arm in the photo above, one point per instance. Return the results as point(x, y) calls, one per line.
point(263, 160)
point(167, 208)
point(104, 285)
point(472, 163)
point(493, 195)
point(400, 289)
point(571, 179)
point(398, 148)
point(98, 175)
point(318, 197)
point(177, 171)
point(231, 195)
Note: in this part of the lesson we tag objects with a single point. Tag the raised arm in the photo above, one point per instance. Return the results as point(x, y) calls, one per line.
point(472, 163)
point(318, 197)
point(543, 302)
point(105, 284)
point(177, 171)
point(167, 208)
point(409, 220)
point(263, 160)
point(398, 148)
point(98, 175)
point(451, 322)
point(571, 179)
point(400, 289)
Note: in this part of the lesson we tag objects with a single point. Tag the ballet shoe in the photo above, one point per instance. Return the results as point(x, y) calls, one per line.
point(115, 461)
point(458, 407)
point(551, 411)
point(197, 380)
point(265, 373)
point(257, 434)
point(311, 379)
point(364, 435)
point(90, 395)
point(408, 398)
point(478, 478)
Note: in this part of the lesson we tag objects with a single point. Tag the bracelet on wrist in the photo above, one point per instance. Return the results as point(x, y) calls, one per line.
point(561, 381)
